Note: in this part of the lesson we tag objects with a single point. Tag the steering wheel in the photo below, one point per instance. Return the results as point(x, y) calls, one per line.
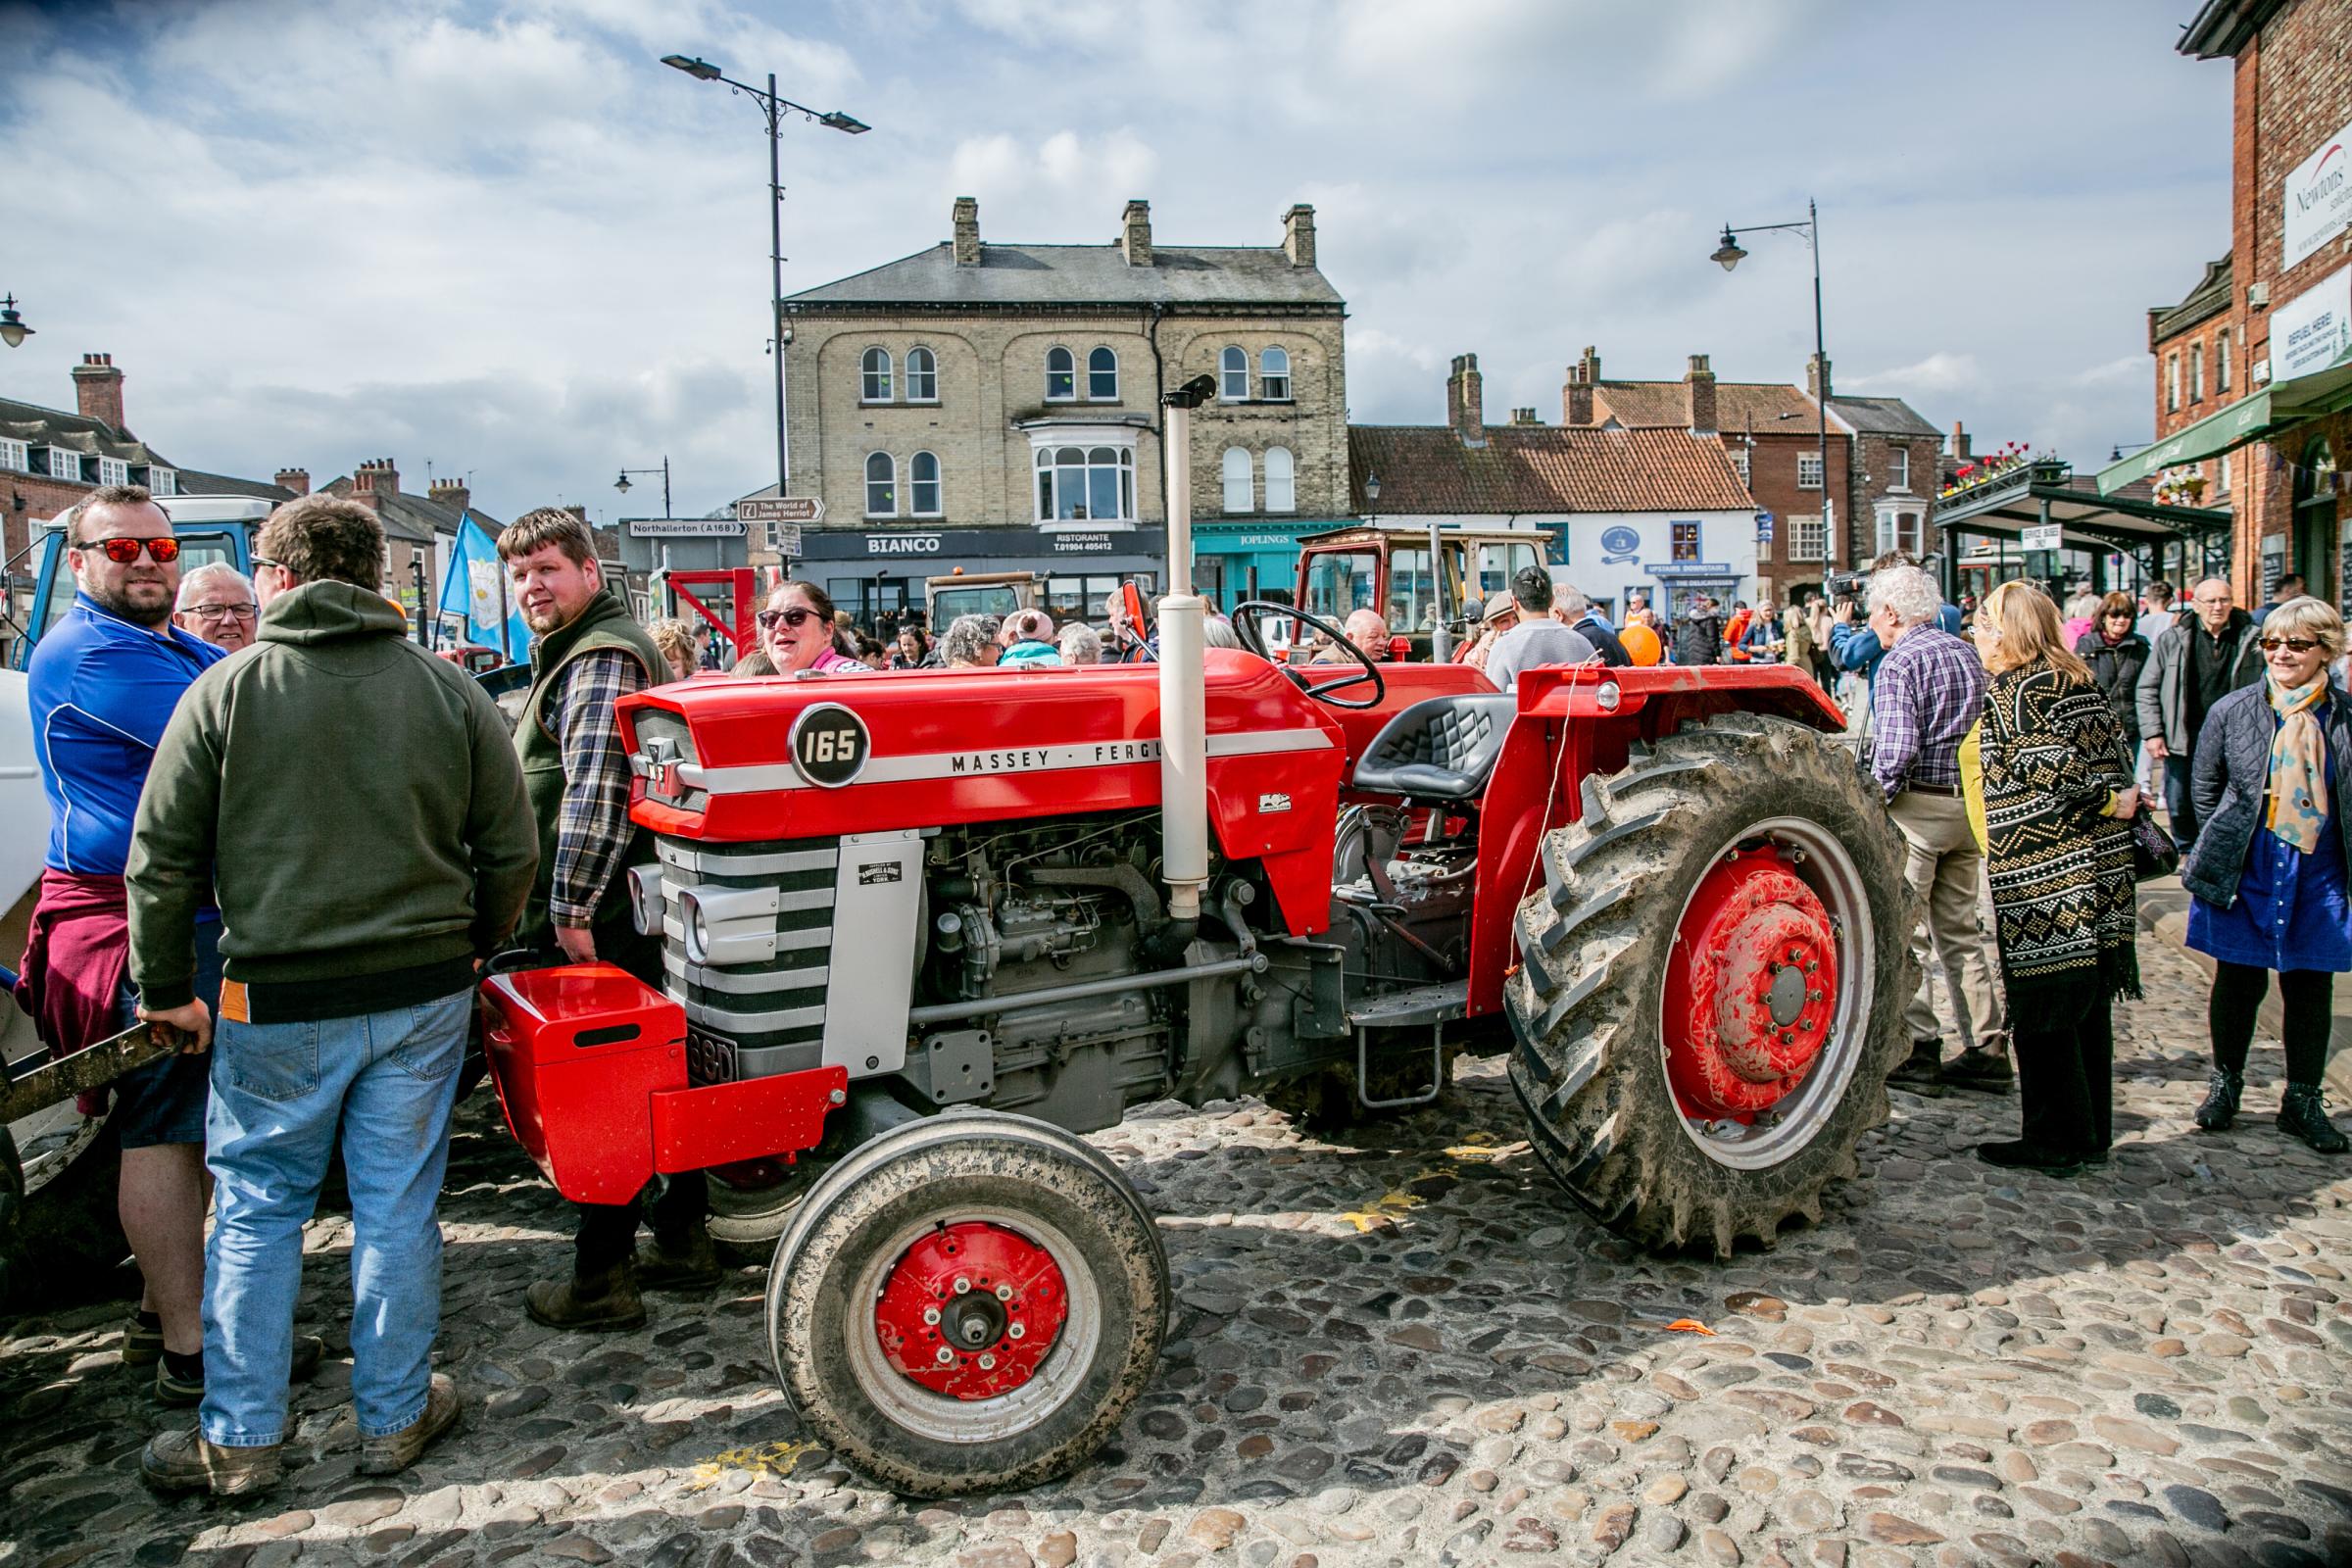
point(1245, 617)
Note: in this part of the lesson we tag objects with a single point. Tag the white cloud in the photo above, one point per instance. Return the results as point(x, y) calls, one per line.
point(1941, 371)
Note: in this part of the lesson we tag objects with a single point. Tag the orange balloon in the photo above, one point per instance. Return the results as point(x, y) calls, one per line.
point(1642, 643)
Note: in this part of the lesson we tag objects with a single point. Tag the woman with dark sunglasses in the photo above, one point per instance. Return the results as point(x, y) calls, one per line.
point(2117, 653)
point(795, 630)
point(2268, 869)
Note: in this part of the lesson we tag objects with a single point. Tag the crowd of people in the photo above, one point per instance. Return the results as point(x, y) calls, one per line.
point(321, 997)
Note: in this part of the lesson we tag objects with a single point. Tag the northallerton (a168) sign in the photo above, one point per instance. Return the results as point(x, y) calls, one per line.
point(2318, 199)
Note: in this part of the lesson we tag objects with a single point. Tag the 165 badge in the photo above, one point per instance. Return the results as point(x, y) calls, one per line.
point(829, 745)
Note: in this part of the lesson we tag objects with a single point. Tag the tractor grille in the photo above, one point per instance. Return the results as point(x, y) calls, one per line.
point(757, 1019)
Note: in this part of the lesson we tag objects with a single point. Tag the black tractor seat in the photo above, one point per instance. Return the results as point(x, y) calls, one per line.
point(1440, 748)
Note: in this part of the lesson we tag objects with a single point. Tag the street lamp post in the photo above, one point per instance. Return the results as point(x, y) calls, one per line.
point(621, 484)
point(775, 108)
point(1729, 255)
point(13, 330)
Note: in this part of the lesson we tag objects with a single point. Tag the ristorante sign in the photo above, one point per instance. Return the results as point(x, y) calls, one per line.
point(2318, 199)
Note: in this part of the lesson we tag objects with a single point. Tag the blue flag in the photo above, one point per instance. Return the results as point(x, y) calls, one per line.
point(475, 587)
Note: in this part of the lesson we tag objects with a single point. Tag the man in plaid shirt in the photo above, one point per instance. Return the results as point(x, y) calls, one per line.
point(586, 655)
point(1929, 691)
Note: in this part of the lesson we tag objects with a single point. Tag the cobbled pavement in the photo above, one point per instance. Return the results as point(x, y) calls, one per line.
point(1401, 1347)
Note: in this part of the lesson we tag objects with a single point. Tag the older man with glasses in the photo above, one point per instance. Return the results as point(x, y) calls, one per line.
point(217, 605)
point(2197, 663)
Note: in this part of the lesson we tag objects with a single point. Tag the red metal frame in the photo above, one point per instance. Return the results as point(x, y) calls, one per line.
point(1750, 917)
point(744, 584)
point(971, 1272)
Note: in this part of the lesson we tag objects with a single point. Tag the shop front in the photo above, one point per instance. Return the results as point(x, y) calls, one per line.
point(881, 574)
point(1237, 561)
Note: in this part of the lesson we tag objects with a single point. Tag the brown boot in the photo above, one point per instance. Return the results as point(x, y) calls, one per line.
point(182, 1461)
point(395, 1452)
point(601, 1303)
point(689, 1263)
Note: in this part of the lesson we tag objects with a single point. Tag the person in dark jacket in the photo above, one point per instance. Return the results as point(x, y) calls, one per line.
point(1575, 608)
point(1699, 640)
point(2268, 874)
point(2116, 653)
point(2199, 662)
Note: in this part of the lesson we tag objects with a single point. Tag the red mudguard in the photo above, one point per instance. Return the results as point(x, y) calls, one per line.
point(590, 1065)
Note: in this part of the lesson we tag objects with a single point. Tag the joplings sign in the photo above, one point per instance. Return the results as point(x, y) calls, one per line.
point(2318, 199)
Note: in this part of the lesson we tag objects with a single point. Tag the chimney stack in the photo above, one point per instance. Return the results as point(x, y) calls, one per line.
point(1524, 416)
point(1575, 397)
point(453, 494)
point(297, 480)
point(374, 480)
point(1817, 378)
point(1135, 232)
point(1463, 408)
point(1959, 442)
point(1698, 395)
point(1298, 234)
point(98, 391)
point(967, 232)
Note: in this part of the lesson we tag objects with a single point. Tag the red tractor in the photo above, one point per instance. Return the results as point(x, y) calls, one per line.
point(923, 929)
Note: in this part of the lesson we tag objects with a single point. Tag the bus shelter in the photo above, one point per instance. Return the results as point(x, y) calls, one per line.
point(1983, 527)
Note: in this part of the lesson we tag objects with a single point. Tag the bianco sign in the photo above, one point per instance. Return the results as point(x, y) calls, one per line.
point(2318, 199)
point(2314, 331)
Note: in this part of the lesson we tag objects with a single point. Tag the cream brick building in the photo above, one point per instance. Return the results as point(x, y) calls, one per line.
point(996, 407)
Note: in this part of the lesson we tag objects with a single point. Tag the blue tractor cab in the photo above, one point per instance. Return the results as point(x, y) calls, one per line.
point(210, 528)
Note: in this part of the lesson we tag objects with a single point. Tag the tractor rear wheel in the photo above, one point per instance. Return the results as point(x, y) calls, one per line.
point(1712, 984)
point(971, 1303)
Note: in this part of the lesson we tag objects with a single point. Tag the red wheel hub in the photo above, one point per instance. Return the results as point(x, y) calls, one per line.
point(971, 1309)
point(1751, 987)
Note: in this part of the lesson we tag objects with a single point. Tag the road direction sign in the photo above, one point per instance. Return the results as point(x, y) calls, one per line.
point(781, 508)
point(784, 538)
point(682, 529)
point(2041, 538)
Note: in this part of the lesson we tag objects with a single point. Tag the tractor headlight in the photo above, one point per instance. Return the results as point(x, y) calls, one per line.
point(729, 925)
point(648, 897)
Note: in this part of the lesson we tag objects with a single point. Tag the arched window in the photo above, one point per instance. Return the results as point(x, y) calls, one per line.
point(1274, 381)
point(1102, 376)
point(922, 376)
point(1238, 488)
point(923, 476)
point(1233, 368)
point(881, 486)
point(1282, 490)
point(1061, 375)
point(874, 379)
point(1090, 484)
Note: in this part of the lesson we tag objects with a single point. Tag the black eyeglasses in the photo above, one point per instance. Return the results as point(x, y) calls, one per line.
point(796, 617)
point(2293, 645)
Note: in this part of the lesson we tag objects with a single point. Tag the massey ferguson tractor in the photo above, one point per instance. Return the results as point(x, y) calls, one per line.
point(923, 929)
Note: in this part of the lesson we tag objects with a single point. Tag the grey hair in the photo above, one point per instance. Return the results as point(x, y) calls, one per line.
point(968, 639)
point(210, 572)
point(1218, 632)
point(1081, 644)
point(1908, 591)
point(2311, 618)
point(2082, 606)
point(1571, 600)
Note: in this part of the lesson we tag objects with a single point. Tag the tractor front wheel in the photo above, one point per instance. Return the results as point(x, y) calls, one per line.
point(1712, 984)
point(971, 1303)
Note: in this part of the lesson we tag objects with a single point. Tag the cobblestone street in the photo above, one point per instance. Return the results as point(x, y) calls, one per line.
point(1402, 1348)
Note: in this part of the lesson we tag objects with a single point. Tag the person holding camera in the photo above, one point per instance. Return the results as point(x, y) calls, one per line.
point(1929, 692)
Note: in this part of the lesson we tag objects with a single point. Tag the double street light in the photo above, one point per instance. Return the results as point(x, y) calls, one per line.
point(1729, 255)
point(775, 108)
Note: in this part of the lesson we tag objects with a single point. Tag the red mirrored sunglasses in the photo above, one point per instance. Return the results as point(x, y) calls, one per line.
point(123, 552)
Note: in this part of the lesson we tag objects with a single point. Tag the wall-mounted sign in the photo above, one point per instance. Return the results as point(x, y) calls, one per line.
point(2318, 199)
point(682, 529)
point(781, 508)
point(1081, 544)
point(1619, 544)
point(2314, 331)
point(2049, 538)
point(902, 544)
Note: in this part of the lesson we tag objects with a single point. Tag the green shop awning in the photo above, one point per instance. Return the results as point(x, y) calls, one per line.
point(2241, 421)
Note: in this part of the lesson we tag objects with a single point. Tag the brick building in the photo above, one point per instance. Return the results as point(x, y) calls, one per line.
point(418, 530)
point(2253, 367)
point(1651, 509)
point(50, 458)
point(996, 407)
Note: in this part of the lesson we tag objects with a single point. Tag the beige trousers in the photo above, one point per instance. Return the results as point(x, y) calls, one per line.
point(1946, 869)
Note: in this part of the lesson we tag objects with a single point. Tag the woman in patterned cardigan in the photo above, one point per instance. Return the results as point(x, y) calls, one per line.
point(2056, 792)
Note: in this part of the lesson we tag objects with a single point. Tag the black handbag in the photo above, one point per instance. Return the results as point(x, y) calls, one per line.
point(2153, 853)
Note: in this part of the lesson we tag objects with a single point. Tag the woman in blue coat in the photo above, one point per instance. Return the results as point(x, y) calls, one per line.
point(2268, 870)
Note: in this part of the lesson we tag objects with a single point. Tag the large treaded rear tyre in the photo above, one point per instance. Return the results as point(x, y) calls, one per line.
point(1048, 1356)
point(1590, 1002)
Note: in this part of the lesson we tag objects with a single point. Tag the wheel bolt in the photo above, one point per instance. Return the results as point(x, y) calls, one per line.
point(945, 1356)
point(1004, 1293)
point(931, 1316)
point(1810, 968)
point(1812, 996)
point(988, 1363)
point(963, 1287)
point(1018, 1332)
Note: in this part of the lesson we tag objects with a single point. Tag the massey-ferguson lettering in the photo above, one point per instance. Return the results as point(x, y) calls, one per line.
point(924, 928)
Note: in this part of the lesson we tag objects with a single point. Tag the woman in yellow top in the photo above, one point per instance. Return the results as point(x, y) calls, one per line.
point(2055, 792)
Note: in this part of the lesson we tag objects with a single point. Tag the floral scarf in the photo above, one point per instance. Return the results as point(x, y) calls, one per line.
point(2298, 764)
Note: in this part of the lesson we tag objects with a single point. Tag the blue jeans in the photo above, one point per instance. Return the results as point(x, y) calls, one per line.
point(389, 1081)
point(2178, 805)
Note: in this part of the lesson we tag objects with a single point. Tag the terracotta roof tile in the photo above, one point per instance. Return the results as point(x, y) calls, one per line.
point(1542, 469)
point(1738, 405)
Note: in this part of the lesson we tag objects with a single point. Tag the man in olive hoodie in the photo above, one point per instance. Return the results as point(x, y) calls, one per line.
point(357, 806)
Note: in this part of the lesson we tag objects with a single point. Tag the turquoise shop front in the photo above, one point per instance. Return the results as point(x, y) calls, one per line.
point(1226, 554)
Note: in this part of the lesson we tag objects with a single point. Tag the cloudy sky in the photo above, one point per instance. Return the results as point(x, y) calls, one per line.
point(502, 239)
